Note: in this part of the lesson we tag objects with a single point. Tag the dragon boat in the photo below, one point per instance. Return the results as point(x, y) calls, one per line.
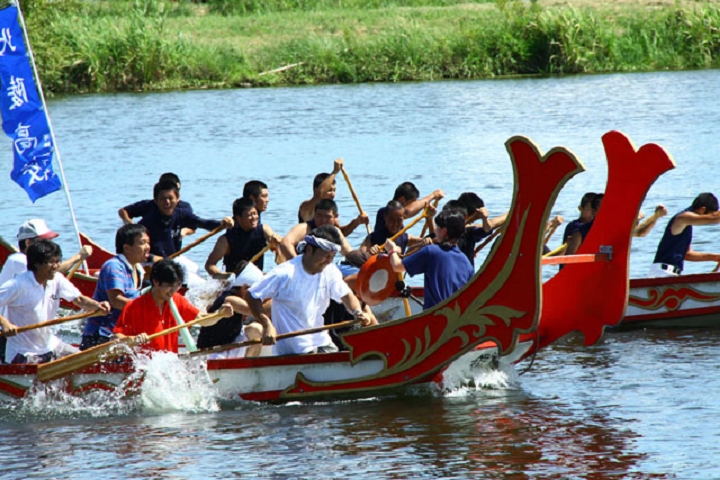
point(505, 305)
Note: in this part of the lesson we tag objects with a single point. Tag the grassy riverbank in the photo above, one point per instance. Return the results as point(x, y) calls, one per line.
point(148, 44)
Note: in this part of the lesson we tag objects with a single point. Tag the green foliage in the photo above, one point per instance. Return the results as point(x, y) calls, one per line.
point(151, 44)
point(245, 7)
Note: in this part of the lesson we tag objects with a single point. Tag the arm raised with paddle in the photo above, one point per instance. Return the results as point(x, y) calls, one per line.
point(363, 218)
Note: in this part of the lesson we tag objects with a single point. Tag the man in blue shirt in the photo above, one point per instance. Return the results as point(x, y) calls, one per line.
point(120, 281)
point(165, 221)
point(446, 269)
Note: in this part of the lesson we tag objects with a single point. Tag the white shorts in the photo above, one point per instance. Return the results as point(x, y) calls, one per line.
point(662, 270)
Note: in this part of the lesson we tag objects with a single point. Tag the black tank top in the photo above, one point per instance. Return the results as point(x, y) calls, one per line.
point(244, 245)
point(223, 332)
point(672, 248)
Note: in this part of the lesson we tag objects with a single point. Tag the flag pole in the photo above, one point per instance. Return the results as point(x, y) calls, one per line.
point(50, 126)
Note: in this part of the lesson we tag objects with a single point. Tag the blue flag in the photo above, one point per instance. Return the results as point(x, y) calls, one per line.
point(23, 116)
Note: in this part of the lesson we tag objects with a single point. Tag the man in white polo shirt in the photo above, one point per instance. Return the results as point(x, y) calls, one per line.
point(34, 297)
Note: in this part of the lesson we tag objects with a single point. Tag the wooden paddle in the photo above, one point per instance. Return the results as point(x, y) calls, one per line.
point(77, 361)
point(354, 195)
point(436, 202)
point(494, 234)
point(56, 321)
point(558, 251)
point(408, 227)
point(74, 269)
point(257, 256)
point(198, 241)
point(550, 233)
point(248, 343)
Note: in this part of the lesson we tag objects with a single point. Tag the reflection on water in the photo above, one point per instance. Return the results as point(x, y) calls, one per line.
point(401, 437)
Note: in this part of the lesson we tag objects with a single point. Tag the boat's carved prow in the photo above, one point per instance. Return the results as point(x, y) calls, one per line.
point(587, 297)
point(501, 301)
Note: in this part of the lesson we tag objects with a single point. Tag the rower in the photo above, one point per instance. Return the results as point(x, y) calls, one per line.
point(29, 232)
point(34, 297)
point(16, 263)
point(326, 213)
point(324, 188)
point(577, 230)
point(143, 207)
point(472, 207)
point(301, 290)
point(119, 282)
point(165, 221)
point(642, 229)
point(151, 312)
point(257, 191)
point(446, 269)
point(394, 215)
point(241, 326)
point(242, 242)
point(408, 195)
point(675, 245)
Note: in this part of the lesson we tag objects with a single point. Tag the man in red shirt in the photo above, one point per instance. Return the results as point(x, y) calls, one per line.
point(151, 313)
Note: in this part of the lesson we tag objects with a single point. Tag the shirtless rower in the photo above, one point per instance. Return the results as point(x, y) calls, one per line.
point(324, 188)
point(676, 243)
point(301, 290)
point(242, 242)
point(326, 213)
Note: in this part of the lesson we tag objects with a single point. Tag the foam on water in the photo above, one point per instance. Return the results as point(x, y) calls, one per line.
point(162, 383)
point(473, 373)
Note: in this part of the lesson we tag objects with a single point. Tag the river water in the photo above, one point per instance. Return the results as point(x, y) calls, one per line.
point(638, 405)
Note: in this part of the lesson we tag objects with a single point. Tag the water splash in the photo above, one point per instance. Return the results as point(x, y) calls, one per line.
point(171, 384)
point(479, 372)
point(203, 294)
point(160, 384)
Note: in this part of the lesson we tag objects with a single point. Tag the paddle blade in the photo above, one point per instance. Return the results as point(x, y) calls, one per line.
point(78, 361)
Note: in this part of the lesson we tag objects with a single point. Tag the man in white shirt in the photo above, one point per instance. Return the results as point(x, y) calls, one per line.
point(301, 290)
point(34, 297)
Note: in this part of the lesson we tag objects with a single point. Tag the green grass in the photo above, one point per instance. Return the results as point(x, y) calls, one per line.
point(149, 44)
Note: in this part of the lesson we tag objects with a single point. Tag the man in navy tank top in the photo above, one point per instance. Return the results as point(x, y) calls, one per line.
point(675, 244)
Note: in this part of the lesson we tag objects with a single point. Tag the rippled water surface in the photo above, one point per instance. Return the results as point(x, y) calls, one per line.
point(638, 405)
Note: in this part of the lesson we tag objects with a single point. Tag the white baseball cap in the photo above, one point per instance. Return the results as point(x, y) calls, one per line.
point(248, 276)
point(35, 228)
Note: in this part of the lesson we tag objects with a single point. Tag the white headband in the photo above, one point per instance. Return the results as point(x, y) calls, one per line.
point(321, 243)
